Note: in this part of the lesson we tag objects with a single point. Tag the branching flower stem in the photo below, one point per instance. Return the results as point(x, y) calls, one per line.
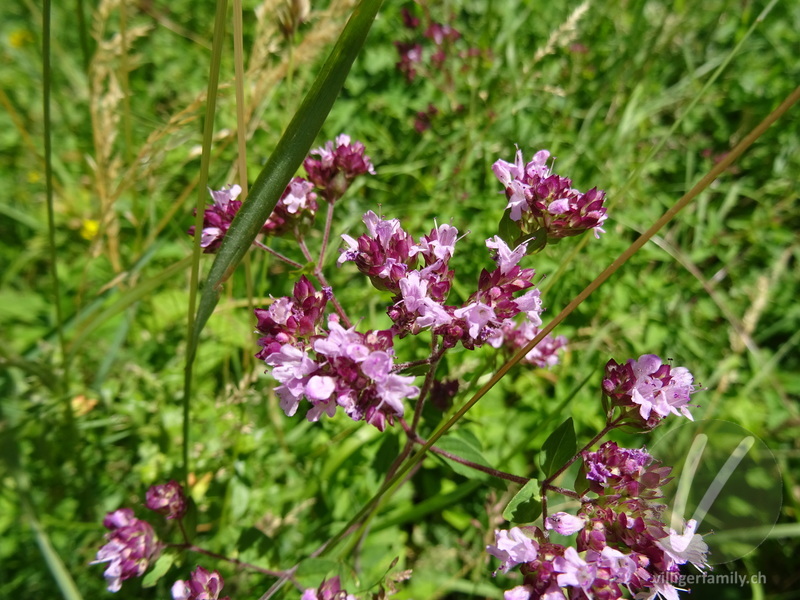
point(468, 463)
point(326, 234)
point(321, 277)
point(278, 255)
point(436, 356)
point(234, 561)
point(188, 545)
point(547, 484)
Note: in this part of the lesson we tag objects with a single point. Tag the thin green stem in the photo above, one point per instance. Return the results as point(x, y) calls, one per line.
point(48, 175)
point(325, 235)
point(208, 131)
point(321, 278)
point(277, 255)
point(83, 33)
point(233, 561)
point(415, 438)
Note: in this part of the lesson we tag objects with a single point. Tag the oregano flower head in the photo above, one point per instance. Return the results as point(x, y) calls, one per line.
point(649, 389)
point(545, 205)
point(202, 585)
point(167, 499)
point(337, 164)
point(131, 547)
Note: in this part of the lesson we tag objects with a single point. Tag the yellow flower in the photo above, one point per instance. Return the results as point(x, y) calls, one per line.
point(89, 229)
point(19, 38)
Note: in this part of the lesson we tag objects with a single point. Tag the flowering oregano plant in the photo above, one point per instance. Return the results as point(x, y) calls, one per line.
point(621, 540)
point(323, 360)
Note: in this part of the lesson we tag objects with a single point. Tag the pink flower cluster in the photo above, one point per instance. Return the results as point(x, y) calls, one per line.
point(649, 389)
point(167, 499)
point(339, 163)
point(622, 542)
point(131, 547)
point(330, 367)
point(544, 204)
point(419, 276)
point(218, 217)
point(202, 585)
point(298, 204)
point(515, 336)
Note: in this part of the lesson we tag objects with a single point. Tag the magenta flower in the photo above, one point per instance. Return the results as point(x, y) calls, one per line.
point(298, 204)
point(545, 205)
point(656, 389)
point(622, 545)
point(623, 472)
point(339, 367)
point(291, 319)
point(167, 499)
point(505, 258)
point(132, 546)
point(512, 336)
point(202, 585)
point(339, 163)
point(331, 589)
point(564, 523)
point(218, 218)
point(574, 571)
point(521, 592)
point(513, 547)
point(686, 547)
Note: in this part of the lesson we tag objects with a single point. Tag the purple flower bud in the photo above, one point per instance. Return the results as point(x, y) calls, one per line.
point(167, 499)
point(132, 546)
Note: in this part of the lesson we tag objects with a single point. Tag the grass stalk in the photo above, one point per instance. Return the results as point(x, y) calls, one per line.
point(208, 132)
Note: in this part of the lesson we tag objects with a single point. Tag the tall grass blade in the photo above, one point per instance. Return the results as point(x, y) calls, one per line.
point(205, 159)
point(48, 170)
point(286, 158)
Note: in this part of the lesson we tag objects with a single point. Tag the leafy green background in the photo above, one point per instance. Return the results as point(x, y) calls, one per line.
point(715, 291)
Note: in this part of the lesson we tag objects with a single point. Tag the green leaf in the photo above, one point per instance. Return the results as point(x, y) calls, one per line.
point(466, 450)
point(558, 448)
point(508, 230)
point(160, 569)
point(581, 483)
point(526, 505)
point(312, 571)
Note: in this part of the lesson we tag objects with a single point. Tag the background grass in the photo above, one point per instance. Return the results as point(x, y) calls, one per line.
point(600, 85)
